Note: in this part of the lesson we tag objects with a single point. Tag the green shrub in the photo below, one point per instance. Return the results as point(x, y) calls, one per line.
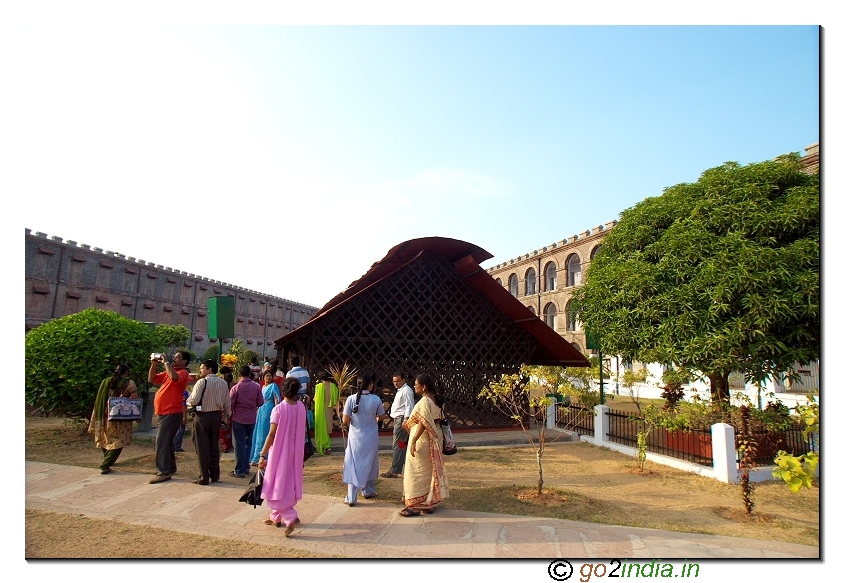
point(213, 353)
point(67, 358)
point(248, 355)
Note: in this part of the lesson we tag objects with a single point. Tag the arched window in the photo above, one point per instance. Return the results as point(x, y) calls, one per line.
point(550, 276)
point(513, 285)
point(573, 269)
point(550, 313)
point(498, 281)
point(572, 325)
point(532, 310)
point(595, 251)
point(577, 347)
point(530, 282)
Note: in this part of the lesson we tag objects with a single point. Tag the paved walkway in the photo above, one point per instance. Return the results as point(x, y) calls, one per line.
point(372, 528)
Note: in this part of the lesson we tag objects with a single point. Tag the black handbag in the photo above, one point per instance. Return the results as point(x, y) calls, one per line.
point(252, 494)
point(309, 446)
point(449, 446)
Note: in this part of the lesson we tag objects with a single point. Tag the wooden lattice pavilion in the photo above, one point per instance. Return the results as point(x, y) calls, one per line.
point(428, 306)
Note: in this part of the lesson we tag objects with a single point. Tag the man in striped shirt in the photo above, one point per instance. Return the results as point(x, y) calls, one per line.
point(300, 374)
point(213, 404)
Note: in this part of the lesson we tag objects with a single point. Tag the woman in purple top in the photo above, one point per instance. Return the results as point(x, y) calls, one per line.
point(283, 458)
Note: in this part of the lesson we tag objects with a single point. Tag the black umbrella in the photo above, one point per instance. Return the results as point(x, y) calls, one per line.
point(252, 494)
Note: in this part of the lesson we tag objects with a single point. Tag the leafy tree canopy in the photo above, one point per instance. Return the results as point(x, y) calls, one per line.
point(171, 338)
point(67, 358)
point(719, 275)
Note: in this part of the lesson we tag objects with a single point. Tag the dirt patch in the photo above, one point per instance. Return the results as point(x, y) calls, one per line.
point(533, 496)
point(641, 472)
point(64, 536)
point(740, 515)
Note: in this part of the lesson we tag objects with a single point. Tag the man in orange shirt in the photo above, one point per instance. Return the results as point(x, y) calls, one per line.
point(170, 408)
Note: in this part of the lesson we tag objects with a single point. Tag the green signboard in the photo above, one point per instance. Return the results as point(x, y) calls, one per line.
point(221, 317)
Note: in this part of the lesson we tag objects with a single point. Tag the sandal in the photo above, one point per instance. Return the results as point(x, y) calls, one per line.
point(270, 522)
point(389, 475)
point(426, 511)
point(289, 530)
point(407, 512)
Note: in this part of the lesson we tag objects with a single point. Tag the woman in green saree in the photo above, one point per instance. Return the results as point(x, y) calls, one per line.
point(326, 396)
point(112, 436)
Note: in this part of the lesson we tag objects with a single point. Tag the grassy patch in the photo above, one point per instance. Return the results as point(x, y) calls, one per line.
point(523, 501)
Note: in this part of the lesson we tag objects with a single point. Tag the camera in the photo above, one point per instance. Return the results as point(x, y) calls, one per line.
point(156, 356)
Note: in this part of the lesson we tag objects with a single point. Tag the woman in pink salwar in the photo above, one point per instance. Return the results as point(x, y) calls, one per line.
point(282, 458)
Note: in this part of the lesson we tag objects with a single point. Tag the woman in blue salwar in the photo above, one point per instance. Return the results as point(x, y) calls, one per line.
point(272, 396)
point(360, 465)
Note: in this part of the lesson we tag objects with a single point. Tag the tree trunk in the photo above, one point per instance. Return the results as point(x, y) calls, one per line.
point(539, 453)
point(539, 463)
point(720, 387)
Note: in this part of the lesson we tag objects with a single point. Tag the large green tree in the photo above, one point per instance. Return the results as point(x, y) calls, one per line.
point(171, 338)
point(67, 358)
point(719, 275)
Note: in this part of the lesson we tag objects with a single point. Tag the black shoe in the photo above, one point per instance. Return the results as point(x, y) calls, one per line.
point(365, 497)
point(180, 450)
point(200, 480)
point(105, 470)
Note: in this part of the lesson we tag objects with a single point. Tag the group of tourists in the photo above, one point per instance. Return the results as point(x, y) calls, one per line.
point(269, 423)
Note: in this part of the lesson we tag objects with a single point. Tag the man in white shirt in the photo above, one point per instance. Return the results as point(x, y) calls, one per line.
point(400, 410)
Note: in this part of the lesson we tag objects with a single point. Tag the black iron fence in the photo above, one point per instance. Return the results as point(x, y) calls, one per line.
point(575, 418)
point(696, 445)
point(693, 446)
point(790, 440)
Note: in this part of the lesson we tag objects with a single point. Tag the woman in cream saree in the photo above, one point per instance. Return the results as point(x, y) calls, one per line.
point(425, 483)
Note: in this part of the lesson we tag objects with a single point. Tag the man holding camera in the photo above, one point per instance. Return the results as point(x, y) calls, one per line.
point(170, 408)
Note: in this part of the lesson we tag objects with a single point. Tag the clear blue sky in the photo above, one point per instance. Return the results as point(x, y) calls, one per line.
point(325, 146)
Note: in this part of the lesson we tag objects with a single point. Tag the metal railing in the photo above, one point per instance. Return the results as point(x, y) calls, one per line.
point(695, 445)
point(575, 418)
point(769, 443)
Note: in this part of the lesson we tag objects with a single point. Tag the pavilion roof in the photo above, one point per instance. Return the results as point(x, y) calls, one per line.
point(551, 348)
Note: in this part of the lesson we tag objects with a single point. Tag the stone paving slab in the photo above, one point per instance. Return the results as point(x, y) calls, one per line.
point(373, 529)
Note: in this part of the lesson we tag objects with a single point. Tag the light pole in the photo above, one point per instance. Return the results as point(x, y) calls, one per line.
point(593, 343)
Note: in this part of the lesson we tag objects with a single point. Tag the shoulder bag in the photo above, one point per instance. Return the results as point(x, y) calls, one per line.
point(194, 409)
point(449, 445)
point(124, 409)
